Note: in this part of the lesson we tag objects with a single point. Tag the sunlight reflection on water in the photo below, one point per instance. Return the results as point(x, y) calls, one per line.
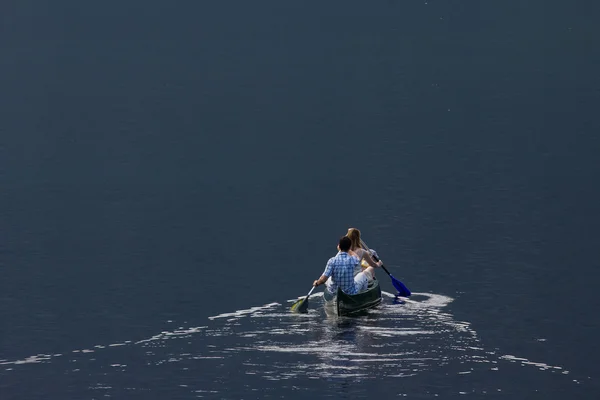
point(269, 342)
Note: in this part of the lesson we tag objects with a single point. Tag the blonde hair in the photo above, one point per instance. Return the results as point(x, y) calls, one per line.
point(354, 235)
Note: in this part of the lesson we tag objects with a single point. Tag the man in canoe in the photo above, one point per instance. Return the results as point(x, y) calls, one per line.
point(341, 271)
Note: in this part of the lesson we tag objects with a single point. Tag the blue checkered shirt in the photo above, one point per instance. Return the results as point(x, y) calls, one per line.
point(341, 270)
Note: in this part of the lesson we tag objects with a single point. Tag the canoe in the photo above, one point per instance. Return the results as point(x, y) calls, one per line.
point(344, 304)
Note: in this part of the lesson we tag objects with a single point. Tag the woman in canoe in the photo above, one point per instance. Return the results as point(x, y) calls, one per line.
point(362, 254)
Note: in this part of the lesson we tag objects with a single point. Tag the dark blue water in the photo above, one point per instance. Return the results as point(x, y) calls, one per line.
point(173, 176)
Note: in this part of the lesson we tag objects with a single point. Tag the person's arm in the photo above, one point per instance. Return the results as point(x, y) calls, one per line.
point(372, 262)
point(320, 281)
point(367, 257)
point(326, 274)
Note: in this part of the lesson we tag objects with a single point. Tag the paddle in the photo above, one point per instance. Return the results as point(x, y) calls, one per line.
point(301, 306)
point(402, 290)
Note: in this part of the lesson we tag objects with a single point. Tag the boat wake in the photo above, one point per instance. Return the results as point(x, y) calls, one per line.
point(398, 339)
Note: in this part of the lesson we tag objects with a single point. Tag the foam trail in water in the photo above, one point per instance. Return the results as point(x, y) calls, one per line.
point(241, 313)
point(428, 337)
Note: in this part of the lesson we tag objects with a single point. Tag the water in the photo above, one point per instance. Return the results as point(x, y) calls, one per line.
point(266, 351)
point(174, 176)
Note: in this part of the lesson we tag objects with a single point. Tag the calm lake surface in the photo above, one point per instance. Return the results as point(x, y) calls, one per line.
point(174, 175)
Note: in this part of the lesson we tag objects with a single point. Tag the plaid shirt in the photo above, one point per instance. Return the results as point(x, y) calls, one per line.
point(341, 270)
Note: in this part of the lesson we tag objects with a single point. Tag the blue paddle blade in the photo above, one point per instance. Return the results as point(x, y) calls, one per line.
point(402, 290)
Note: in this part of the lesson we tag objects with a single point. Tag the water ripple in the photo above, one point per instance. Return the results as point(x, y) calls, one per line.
point(399, 339)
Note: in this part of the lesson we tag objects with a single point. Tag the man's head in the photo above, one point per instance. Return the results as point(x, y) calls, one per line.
point(345, 243)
